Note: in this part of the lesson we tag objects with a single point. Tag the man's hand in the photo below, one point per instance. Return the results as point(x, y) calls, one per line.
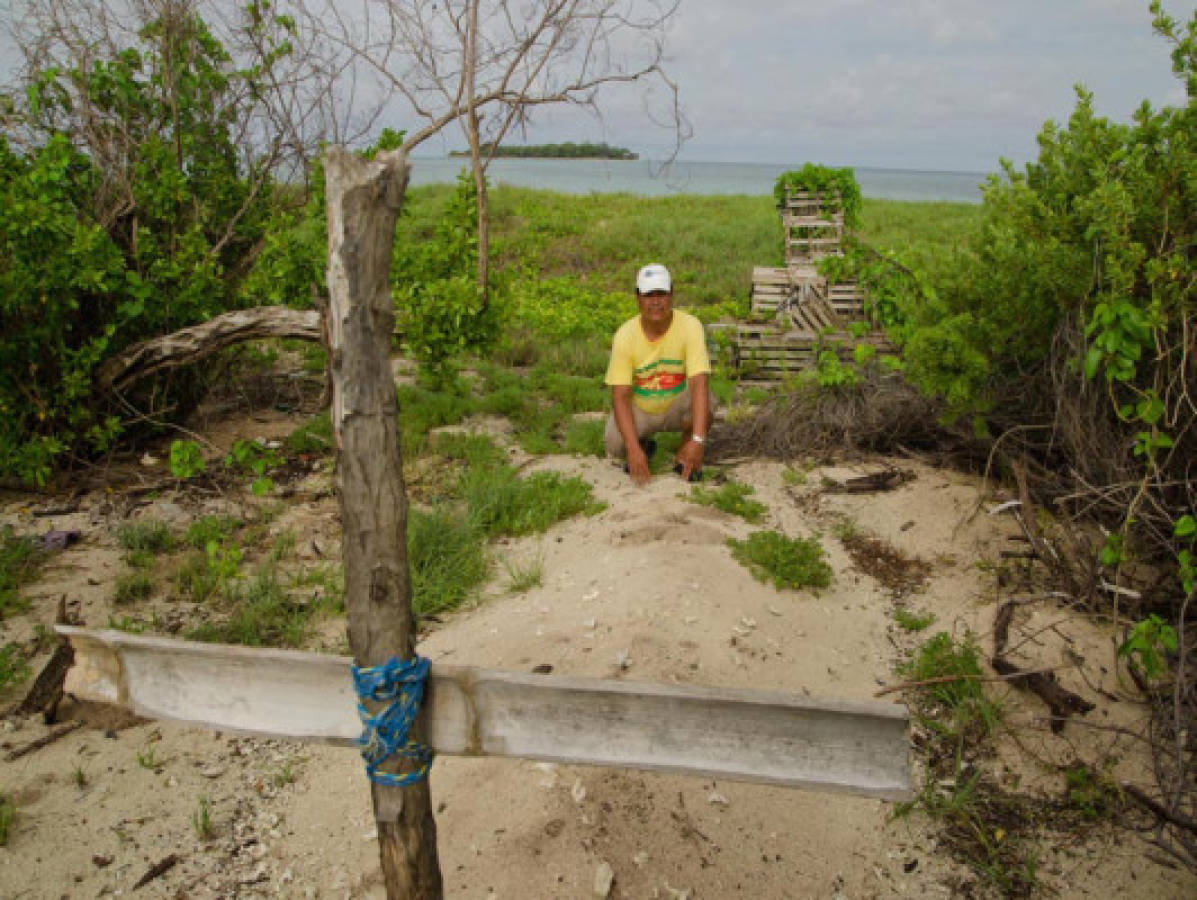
point(690, 458)
point(638, 465)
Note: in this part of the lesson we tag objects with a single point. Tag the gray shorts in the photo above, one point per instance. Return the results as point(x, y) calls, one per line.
point(676, 418)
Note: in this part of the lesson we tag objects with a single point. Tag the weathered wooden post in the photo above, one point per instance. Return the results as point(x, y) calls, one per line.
point(364, 199)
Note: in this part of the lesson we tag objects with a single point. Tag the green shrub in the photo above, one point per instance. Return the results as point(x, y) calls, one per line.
point(824, 180)
point(785, 562)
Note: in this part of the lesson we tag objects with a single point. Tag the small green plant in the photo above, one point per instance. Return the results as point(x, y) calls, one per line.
point(207, 529)
point(13, 667)
point(19, 561)
point(201, 819)
point(8, 815)
point(957, 705)
point(584, 438)
point(133, 587)
point(151, 535)
point(256, 458)
point(141, 559)
point(1148, 643)
point(523, 576)
point(315, 436)
point(128, 624)
point(286, 774)
point(147, 757)
point(784, 561)
point(186, 459)
point(1095, 796)
point(79, 777)
point(262, 614)
point(792, 477)
point(733, 497)
point(910, 621)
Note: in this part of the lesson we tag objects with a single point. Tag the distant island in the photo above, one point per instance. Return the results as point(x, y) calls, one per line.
point(568, 150)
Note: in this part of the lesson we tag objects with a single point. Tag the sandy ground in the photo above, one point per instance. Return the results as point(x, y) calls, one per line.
point(647, 590)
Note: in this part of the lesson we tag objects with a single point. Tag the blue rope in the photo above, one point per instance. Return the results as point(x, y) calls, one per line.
point(400, 685)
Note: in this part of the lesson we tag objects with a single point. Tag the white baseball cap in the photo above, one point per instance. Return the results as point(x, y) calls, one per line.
point(653, 277)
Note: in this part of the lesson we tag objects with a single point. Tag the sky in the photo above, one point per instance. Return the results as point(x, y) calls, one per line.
point(940, 85)
point(945, 85)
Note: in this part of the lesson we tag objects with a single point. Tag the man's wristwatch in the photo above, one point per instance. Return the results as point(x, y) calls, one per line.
point(698, 439)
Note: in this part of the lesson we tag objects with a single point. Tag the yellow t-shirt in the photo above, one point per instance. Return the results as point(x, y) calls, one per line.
point(657, 370)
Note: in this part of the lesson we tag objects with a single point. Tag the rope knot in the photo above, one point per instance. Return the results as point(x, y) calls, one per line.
point(399, 685)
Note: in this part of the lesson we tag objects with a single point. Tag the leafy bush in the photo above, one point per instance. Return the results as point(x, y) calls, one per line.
point(143, 230)
point(786, 562)
point(824, 180)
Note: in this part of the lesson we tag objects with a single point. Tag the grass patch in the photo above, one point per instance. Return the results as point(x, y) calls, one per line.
point(733, 497)
point(132, 587)
point(911, 621)
point(19, 562)
point(501, 503)
point(585, 438)
point(14, 668)
point(8, 815)
point(207, 529)
point(315, 436)
point(153, 535)
point(523, 576)
point(953, 703)
point(446, 554)
point(786, 562)
point(261, 614)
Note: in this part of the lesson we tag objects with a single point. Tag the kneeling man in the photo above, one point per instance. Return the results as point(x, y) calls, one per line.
point(659, 373)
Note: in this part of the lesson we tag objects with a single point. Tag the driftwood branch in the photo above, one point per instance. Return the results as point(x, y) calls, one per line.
point(190, 345)
point(48, 738)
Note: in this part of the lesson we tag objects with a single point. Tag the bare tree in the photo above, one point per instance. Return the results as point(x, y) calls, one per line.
point(488, 65)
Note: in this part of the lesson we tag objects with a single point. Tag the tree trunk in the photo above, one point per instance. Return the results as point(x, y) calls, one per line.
point(364, 199)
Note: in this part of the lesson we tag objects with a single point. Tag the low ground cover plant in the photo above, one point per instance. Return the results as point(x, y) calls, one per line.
point(733, 497)
point(784, 562)
point(19, 562)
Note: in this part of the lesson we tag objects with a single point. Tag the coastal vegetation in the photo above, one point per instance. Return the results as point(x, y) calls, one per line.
point(566, 150)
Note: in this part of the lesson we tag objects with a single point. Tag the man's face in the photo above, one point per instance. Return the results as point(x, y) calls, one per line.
point(655, 307)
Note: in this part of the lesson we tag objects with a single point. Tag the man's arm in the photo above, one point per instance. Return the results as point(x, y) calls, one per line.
point(621, 406)
point(691, 453)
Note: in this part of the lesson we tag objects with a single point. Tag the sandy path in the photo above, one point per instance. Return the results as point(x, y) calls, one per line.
point(649, 581)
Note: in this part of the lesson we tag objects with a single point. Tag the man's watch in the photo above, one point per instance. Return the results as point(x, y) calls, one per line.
point(698, 439)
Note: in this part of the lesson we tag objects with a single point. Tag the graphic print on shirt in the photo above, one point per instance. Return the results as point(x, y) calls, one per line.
point(661, 378)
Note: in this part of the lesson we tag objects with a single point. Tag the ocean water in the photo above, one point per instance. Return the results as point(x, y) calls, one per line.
point(587, 176)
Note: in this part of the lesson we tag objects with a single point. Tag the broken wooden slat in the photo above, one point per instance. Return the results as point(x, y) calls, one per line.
point(843, 747)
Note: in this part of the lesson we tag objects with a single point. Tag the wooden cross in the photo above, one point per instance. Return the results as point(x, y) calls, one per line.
point(859, 748)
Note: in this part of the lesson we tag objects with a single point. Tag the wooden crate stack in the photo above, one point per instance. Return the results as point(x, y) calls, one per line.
point(808, 313)
point(814, 226)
